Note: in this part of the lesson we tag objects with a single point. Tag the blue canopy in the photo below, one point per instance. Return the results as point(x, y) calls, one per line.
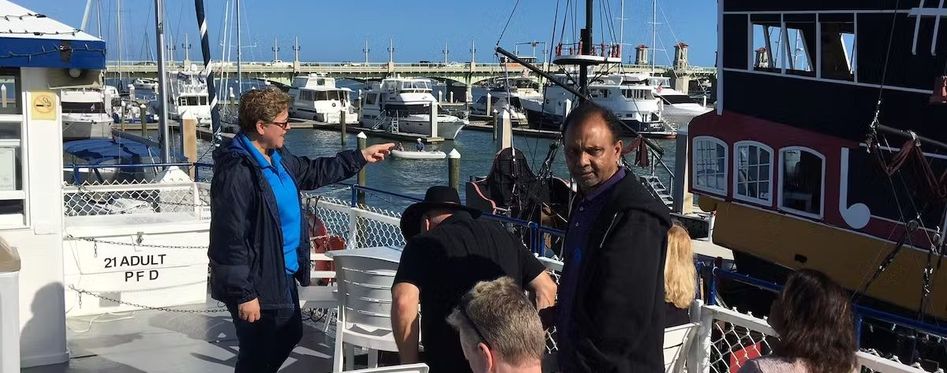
point(30, 39)
point(97, 151)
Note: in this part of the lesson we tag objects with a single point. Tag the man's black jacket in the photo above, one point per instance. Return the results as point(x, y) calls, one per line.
point(618, 315)
point(246, 244)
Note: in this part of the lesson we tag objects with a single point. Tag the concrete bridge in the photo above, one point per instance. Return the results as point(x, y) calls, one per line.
point(465, 74)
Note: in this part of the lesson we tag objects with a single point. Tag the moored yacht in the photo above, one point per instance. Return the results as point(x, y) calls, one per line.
point(188, 95)
point(317, 97)
point(630, 99)
point(149, 84)
point(84, 114)
point(676, 103)
point(405, 105)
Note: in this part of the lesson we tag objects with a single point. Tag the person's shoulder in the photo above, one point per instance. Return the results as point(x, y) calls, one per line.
point(773, 364)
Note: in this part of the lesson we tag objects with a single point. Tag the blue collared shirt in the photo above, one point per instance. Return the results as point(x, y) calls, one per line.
point(580, 224)
point(287, 200)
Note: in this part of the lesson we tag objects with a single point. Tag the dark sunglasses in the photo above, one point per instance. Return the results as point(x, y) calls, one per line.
point(284, 124)
point(463, 311)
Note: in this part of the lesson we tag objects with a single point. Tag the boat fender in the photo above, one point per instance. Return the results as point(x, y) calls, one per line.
point(321, 242)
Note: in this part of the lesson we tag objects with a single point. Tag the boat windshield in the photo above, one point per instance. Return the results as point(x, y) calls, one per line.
point(415, 85)
point(83, 107)
point(637, 94)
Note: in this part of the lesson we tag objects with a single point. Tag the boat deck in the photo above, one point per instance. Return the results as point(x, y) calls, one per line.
point(158, 341)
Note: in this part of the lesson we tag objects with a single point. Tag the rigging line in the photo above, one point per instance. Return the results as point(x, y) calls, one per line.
point(905, 236)
point(673, 35)
point(910, 199)
point(542, 82)
point(516, 4)
point(884, 68)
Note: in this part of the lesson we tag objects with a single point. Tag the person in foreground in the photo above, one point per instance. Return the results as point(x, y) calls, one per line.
point(813, 318)
point(258, 247)
point(611, 300)
point(448, 251)
point(680, 277)
point(499, 329)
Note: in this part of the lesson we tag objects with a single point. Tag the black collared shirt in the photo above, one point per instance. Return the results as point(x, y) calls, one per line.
point(445, 263)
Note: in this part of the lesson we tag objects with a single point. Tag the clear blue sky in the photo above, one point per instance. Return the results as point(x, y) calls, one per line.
point(338, 30)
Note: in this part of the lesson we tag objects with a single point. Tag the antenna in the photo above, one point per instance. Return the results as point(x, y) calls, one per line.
point(366, 50)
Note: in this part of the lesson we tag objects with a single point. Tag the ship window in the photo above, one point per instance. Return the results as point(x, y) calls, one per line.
point(710, 165)
point(767, 39)
point(321, 96)
point(305, 95)
point(12, 186)
point(801, 172)
point(370, 98)
point(333, 95)
point(192, 101)
point(753, 170)
point(800, 42)
point(838, 47)
point(203, 100)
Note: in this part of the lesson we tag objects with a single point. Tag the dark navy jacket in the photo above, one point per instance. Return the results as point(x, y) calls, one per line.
point(246, 256)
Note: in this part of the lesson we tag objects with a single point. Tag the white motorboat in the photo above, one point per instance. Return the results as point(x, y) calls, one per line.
point(84, 115)
point(626, 95)
point(418, 154)
point(317, 97)
point(404, 105)
point(149, 84)
point(188, 95)
point(676, 103)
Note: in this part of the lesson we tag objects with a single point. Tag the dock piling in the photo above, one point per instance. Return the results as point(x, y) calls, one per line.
point(504, 130)
point(343, 132)
point(189, 131)
point(143, 116)
point(453, 169)
point(433, 119)
point(451, 97)
point(362, 144)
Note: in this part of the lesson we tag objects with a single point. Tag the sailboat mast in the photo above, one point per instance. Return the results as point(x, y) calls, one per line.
point(654, 32)
point(586, 42)
point(239, 52)
point(162, 83)
point(621, 33)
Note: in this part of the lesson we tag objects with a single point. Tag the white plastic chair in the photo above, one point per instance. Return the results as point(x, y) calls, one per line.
point(364, 282)
point(407, 368)
point(319, 296)
point(677, 341)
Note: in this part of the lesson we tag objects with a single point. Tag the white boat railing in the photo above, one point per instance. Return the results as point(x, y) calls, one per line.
point(725, 339)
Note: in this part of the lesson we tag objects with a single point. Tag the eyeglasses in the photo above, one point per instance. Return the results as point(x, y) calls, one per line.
point(284, 124)
point(463, 311)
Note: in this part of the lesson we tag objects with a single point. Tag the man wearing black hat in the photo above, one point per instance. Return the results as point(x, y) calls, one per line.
point(448, 251)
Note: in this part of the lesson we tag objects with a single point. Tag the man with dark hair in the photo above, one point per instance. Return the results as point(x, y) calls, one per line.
point(611, 299)
point(258, 246)
point(448, 251)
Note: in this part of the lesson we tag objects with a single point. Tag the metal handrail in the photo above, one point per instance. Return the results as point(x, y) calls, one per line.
point(860, 311)
point(536, 230)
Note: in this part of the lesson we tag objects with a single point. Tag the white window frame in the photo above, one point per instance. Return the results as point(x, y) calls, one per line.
point(782, 178)
point(726, 170)
point(736, 173)
point(8, 221)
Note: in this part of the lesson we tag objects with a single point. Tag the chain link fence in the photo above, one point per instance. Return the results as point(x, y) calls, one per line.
point(135, 194)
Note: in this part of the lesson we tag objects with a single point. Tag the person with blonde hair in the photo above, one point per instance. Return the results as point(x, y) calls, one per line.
point(680, 277)
point(500, 330)
point(258, 248)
